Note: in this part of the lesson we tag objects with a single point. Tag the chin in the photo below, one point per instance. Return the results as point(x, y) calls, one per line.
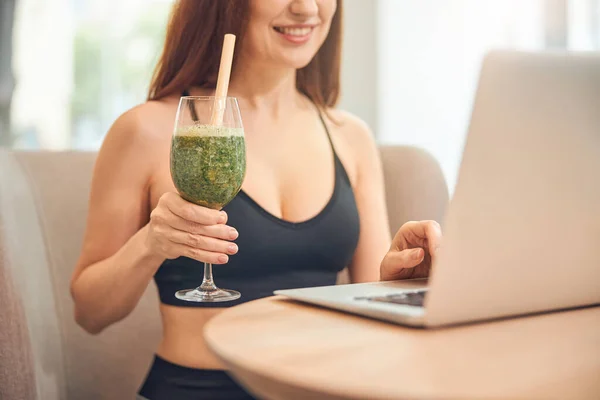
point(298, 61)
point(300, 65)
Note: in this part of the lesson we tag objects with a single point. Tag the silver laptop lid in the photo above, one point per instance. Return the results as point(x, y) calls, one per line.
point(522, 233)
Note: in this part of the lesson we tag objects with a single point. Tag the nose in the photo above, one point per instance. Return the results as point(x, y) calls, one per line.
point(305, 7)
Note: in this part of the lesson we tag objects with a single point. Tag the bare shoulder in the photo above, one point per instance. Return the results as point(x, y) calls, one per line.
point(142, 125)
point(136, 141)
point(354, 142)
point(351, 130)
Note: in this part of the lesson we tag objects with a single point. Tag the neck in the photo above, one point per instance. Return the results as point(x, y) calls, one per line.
point(261, 86)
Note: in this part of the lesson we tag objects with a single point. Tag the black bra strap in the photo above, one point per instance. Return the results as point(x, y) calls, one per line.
point(191, 105)
point(327, 131)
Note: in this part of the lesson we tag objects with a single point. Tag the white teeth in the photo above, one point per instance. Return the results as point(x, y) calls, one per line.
point(294, 31)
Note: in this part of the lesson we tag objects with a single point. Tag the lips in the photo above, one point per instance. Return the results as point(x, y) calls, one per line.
point(298, 34)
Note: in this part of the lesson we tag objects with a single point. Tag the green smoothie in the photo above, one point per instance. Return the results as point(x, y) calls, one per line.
point(208, 164)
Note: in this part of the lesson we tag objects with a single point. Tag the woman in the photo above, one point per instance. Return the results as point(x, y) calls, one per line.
point(312, 202)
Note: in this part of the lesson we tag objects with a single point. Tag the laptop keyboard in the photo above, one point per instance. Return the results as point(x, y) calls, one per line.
point(415, 298)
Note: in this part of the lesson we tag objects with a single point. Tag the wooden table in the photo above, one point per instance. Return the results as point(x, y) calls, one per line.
point(280, 349)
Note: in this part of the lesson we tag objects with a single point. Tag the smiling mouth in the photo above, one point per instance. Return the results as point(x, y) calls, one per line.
point(293, 31)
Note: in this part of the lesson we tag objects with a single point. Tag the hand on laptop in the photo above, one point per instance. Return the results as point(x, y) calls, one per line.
point(413, 249)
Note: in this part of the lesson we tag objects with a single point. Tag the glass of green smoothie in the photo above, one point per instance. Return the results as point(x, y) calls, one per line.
point(208, 165)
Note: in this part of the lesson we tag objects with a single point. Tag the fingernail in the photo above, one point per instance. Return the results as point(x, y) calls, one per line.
point(222, 217)
point(233, 234)
point(223, 258)
point(232, 249)
point(417, 254)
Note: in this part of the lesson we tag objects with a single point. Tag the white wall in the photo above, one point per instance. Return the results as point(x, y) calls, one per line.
point(583, 18)
point(429, 57)
point(410, 67)
point(359, 61)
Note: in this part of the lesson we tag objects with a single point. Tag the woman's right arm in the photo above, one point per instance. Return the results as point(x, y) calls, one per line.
point(125, 242)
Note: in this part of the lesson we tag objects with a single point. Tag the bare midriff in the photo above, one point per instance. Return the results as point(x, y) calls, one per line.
point(183, 340)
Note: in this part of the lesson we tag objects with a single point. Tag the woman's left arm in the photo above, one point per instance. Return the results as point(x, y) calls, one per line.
point(377, 257)
point(374, 240)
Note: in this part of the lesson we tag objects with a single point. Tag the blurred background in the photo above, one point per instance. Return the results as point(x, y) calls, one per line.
point(68, 68)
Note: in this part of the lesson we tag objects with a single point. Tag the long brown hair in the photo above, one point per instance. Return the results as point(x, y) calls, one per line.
point(193, 43)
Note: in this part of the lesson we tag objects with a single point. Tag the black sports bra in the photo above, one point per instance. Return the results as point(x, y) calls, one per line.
point(274, 253)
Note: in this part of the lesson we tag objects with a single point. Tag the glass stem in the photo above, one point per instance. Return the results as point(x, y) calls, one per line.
point(207, 282)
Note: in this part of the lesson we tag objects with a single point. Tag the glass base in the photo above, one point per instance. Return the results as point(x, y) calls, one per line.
point(207, 296)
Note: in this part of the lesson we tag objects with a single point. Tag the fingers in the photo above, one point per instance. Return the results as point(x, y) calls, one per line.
point(205, 243)
point(181, 215)
point(220, 231)
point(398, 264)
point(413, 251)
point(192, 212)
point(427, 234)
point(433, 233)
point(179, 228)
point(404, 259)
point(201, 255)
point(172, 243)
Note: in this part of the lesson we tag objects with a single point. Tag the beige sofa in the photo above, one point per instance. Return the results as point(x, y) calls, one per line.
point(43, 203)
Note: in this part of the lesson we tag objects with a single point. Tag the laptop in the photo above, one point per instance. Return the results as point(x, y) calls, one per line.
point(522, 231)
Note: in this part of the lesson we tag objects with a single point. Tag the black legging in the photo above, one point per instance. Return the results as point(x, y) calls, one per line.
point(168, 381)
